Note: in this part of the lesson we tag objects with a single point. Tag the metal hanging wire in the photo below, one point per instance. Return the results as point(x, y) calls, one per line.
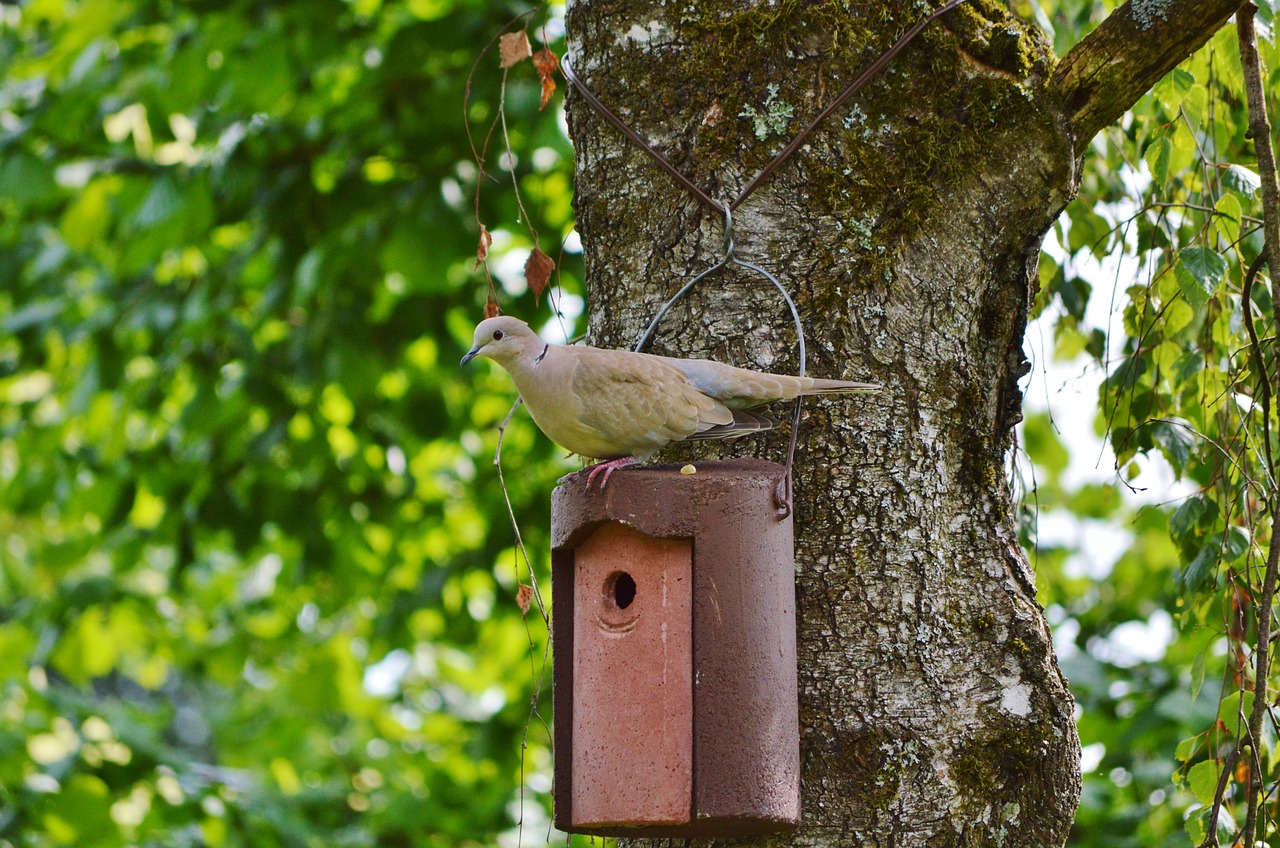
point(783, 490)
point(872, 71)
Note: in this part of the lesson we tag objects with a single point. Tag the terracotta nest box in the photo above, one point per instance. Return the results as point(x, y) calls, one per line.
point(675, 654)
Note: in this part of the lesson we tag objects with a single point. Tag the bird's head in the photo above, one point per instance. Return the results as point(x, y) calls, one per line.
point(504, 340)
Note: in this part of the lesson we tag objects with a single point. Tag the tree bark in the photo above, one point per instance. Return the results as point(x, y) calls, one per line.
point(908, 231)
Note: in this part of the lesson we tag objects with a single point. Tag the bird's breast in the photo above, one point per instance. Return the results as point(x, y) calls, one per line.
point(572, 422)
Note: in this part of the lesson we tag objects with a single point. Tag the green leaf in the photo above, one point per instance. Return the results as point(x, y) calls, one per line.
point(88, 219)
point(1233, 709)
point(1095, 500)
point(161, 203)
point(1043, 445)
point(1196, 826)
point(1187, 516)
point(86, 649)
point(1197, 676)
point(1184, 149)
point(1047, 269)
point(1191, 363)
point(1068, 342)
point(1240, 179)
point(1152, 231)
point(1177, 317)
point(1187, 747)
point(1199, 270)
point(1166, 355)
point(1175, 85)
point(1227, 217)
point(306, 277)
point(1128, 373)
point(83, 808)
point(26, 179)
point(1195, 104)
point(1176, 442)
point(1202, 779)
point(1075, 296)
point(1088, 230)
point(430, 10)
point(1238, 539)
point(1157, 159)
point(1198, 572)
point(1096, 346)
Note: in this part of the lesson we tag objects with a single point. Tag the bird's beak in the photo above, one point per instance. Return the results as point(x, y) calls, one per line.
point(471, 354)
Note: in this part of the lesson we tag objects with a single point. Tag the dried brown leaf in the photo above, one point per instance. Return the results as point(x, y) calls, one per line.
point(524, 595)
point(491, 309)
point(537, 271)
point(482, 249)
point(513, 48)
point(546, 62)
point(1242, 772)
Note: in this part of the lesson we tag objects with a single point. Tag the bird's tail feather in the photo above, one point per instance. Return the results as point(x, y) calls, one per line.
point(745, 422)
point(840, 387)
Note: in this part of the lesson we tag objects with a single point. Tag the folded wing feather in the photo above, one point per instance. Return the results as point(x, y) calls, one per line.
point(641, 404)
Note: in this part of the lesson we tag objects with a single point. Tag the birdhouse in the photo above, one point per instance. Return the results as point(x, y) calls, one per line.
point(675, 654)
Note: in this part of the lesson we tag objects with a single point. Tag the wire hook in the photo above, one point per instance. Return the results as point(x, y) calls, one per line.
point(781, 492)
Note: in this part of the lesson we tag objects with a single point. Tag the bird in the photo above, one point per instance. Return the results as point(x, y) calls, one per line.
point(622, 407)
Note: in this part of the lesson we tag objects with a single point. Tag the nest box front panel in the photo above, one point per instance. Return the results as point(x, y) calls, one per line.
point(633, 679)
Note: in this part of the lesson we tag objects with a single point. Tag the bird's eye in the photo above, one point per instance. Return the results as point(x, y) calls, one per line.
point(497, 335)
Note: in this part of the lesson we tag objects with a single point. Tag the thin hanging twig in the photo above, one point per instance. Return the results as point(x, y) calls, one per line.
point(1264, 381)
point(537, 674)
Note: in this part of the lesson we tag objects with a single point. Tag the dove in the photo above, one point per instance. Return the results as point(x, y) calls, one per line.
point(623, 407)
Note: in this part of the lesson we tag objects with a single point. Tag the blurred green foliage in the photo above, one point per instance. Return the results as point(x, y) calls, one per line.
point(257, 584)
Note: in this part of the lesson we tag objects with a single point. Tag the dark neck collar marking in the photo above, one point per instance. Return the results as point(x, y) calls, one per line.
point(545, 348)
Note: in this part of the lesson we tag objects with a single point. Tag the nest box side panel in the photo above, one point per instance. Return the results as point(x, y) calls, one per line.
point(748, 736)
point(562, 690)
point(632, 722)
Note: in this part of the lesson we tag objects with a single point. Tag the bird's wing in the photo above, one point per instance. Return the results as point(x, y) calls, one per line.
point(640, 403)
point(737, 388)
point(742, 388)
point(744, 423)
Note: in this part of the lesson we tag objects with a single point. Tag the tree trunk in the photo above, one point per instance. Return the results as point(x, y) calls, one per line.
point(907, 230)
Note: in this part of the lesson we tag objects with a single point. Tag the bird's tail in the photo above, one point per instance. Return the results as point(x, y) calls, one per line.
point(839, 387)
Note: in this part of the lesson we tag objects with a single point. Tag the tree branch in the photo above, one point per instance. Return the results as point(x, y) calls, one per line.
point(1129, 52)
point(1261, 691)
point(1260, 132)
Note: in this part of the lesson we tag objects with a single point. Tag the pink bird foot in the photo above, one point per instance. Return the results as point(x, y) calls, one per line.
point(608, 468)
